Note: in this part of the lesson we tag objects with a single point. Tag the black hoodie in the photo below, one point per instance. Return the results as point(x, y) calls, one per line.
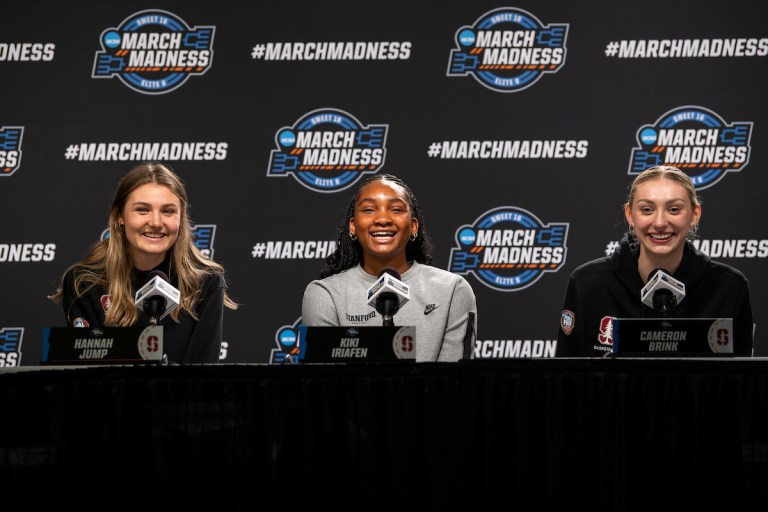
point(189, 341)
point(609, 287)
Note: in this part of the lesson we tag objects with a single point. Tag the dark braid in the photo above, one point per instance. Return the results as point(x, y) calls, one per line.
point(348, 253)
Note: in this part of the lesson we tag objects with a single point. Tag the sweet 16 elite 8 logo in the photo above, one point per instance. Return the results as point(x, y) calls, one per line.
point(328, 150)
point(697, 141)
point(509, 249)
point(154, 52)
point(508, 50)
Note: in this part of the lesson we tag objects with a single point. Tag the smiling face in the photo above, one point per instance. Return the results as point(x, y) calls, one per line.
point(662, 213)
point(383, 223)
point(151, 218)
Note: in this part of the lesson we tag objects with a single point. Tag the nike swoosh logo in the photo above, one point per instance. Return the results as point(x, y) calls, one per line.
point(430, 308)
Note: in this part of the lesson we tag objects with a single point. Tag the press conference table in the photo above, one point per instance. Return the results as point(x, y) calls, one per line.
point(549, 434)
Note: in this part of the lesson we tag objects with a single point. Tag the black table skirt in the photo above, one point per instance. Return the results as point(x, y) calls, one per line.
point(526, 434)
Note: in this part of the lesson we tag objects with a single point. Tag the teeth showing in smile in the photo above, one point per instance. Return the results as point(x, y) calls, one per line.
point(154, 235)
point(379, 234)
point(660, 237)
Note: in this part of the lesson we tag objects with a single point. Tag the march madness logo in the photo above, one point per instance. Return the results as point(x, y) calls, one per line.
point(697, 141)
point(328, 150)
point(508, 50)
point(10, 149)
point(10, 346)
point(287, 339)
point(203, 235)
point(509, 249)
point(154, 52)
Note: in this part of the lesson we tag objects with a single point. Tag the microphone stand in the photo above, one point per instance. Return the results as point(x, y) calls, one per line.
point(387, 305)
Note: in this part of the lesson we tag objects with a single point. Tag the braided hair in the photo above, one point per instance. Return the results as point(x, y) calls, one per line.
point(348, 252)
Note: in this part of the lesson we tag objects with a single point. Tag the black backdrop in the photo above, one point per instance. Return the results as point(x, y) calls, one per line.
point(240, 105)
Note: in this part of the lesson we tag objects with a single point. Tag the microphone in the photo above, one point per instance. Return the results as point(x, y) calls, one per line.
point(662, 292)
point(388, 294)
point(157, 298)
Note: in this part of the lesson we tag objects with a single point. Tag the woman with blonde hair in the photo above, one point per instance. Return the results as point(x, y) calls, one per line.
point(663, 215)
point(150, 230)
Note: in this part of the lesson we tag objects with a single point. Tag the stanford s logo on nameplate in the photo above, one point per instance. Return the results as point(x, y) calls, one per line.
point(150, 343)
point(403, 343)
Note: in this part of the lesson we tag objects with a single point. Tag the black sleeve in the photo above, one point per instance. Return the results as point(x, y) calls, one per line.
point(84, 311)
point(573, 336)
point(743, 326)
point(205, 344)
point(567, 335)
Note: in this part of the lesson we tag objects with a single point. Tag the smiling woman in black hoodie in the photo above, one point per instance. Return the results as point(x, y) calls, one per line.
point(150, 229)
point(663, 214)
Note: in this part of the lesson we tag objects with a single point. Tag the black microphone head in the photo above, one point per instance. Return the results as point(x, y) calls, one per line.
point(389, 270)
point(155, 305)
point(158, 273)
point(388, 302)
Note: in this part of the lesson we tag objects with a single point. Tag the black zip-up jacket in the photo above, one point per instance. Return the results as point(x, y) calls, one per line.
point(186, 342)
point(609, 287)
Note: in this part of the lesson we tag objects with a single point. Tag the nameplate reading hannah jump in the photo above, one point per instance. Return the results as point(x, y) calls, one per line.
point(107, 345)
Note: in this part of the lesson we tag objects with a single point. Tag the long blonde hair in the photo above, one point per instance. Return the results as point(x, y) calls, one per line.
point(109, 263)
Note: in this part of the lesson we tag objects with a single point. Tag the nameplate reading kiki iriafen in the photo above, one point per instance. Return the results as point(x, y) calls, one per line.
point(349, 347)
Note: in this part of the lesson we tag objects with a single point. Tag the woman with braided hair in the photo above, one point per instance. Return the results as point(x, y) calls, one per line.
point(384, 228)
